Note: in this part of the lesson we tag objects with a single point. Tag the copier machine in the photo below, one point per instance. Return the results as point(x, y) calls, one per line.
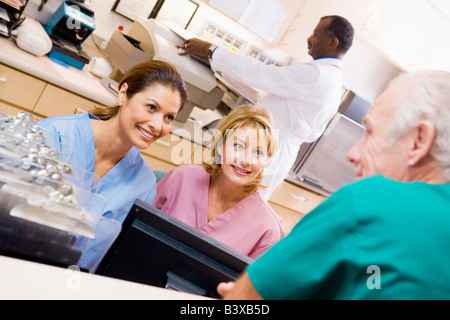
point(151, 39)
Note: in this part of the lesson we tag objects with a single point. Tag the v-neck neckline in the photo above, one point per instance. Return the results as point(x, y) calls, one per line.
point(224, 217)
point(115, 171)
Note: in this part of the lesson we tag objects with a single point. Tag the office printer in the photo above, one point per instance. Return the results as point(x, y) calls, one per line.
point(150, 39)
point(68, 27)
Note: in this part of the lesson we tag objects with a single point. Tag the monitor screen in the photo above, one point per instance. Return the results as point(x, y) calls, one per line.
point(157, 249)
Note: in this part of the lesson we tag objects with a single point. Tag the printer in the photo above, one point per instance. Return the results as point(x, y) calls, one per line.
point(68, 27)
point(151, 39)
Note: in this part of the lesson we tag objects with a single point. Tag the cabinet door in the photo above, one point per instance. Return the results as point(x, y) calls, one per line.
point(9, 109)
point(294, 6)
point(157, 164)
point(19, 88)
point(295, 198)
point(56, 101)
point(290, 217)
point(171, 149)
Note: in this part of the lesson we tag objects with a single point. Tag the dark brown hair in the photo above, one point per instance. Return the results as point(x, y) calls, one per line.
point(140, 77)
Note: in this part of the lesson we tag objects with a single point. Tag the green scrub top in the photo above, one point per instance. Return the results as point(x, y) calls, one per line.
point(372, 239)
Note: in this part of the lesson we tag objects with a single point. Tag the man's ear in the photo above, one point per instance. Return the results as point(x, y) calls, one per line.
point(334, 43)
point(122, 95)
point(424, 136)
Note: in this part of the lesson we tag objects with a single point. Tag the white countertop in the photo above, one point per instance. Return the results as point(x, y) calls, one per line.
point(80, 82)
point(25, 280)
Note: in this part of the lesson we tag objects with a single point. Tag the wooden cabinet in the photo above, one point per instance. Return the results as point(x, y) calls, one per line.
point(292, 202)
point(54, 101)
point(22, 92)
point(157, 164)
point(25, 92)
point(19, 89)
point(169, 152)
point(290, 217)
point(296, 198)
point(294, 7)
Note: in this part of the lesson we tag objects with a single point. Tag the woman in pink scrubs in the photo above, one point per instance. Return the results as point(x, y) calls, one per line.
point(221, 197)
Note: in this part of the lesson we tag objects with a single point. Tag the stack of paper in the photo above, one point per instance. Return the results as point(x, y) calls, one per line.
point(4, 14)
point(17, 4)
point(4, 18)
point(3, 26)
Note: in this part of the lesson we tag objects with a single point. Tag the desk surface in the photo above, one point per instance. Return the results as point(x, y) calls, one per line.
point(24, 280)
point(75, 80)
point(80, 82)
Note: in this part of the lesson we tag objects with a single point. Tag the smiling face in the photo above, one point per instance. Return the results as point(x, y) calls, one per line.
point(244, 155)
point(148, 115)
point(375, 153)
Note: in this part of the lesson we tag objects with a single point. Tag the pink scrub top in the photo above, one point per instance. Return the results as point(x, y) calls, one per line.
point(251, 226)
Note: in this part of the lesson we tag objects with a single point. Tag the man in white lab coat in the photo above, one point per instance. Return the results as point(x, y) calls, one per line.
point(302, 98)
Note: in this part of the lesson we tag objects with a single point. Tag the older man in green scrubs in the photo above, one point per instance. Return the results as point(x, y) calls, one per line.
point(386, 236)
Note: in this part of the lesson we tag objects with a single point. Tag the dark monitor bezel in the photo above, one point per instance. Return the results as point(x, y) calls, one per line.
point(203, 248)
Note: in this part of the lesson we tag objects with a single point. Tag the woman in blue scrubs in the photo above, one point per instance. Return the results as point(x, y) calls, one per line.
point(108, 141)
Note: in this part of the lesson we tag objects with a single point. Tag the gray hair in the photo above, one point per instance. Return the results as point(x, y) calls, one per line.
point(428, 99)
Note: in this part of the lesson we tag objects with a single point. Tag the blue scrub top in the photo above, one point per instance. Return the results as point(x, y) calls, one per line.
point(130, 179)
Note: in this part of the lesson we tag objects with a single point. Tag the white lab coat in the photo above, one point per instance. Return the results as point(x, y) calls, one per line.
point(302, 99)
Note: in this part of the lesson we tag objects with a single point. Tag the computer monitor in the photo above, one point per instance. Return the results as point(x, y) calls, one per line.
point(157, 249)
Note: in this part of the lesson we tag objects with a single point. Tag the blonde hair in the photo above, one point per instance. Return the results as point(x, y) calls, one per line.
point(242, 117)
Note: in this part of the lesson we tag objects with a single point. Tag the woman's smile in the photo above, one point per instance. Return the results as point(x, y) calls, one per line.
point(240, 171)
point(146, 134)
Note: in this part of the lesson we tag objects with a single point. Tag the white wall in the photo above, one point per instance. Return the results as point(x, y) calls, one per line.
point(107, 20)
point(369, 63)
point(367, 72)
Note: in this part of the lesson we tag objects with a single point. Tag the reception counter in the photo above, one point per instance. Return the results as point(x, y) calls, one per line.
point(25, 280)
